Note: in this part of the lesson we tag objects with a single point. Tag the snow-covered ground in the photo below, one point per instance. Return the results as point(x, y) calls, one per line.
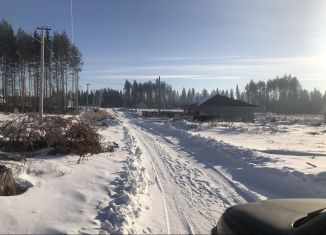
point(184, 195)
point(167, 176)
point(65, 197)
point(295, 143)
point(215, 167)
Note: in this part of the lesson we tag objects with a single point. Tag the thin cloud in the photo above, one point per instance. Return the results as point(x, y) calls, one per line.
point(146, 77)
point(282, 60)
point(196, 58)
point(235, 68)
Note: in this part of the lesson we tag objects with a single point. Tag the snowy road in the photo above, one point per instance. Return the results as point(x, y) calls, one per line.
point(185, 196)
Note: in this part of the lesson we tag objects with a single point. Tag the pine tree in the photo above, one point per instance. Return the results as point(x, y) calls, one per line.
point(204, 94)
point(237, 93)
point(231, 94)
point(20, 66)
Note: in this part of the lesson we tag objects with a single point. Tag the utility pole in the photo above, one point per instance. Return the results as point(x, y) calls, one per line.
point(42, 73)
point(87, 97)
point(159, 95)
point(100, 99)
point(76, 90)
point(72, 95)
point(125, 99)
point(75, 72)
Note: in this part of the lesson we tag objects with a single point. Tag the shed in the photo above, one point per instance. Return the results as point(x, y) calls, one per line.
point(222, 108)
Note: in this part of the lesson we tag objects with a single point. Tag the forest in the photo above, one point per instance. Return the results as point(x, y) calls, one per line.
point(20, 70)
point(280, 95)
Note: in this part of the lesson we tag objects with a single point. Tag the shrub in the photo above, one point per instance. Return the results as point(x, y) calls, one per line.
point(65, 135)
point(78, 138)
point(94, 116)
point(316, 124)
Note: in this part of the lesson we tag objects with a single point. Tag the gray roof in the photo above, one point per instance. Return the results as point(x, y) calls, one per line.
point(222, 101)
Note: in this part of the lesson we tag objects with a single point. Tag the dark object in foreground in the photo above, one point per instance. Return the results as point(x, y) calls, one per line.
point(281, 216)
point(8, 185)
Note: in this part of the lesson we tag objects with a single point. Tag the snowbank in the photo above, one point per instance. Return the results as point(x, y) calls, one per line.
point(119, 216)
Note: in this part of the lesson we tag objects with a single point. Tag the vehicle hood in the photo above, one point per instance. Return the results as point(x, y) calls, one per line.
point(274, 216)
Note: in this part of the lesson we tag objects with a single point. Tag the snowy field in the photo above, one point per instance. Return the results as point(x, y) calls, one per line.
point(291, 142)
point(167, 176)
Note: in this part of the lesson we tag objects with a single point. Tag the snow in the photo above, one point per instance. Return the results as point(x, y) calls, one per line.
point(129, 187)
point(290, 144)
point(191, 195)
point(166, 176)
point(212, 174)
point(284, 151)
point(65, 197)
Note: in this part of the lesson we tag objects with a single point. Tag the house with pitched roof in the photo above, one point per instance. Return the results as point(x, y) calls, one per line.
point(222, 108)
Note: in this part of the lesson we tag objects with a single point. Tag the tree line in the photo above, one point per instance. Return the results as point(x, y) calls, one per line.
point(285, 95)
point(280, 95)
point(20, 70)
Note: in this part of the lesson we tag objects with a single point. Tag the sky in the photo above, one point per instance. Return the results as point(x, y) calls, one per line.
point(189, 43)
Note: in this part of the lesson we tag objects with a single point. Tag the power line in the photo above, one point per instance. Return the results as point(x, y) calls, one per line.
point(72, 22)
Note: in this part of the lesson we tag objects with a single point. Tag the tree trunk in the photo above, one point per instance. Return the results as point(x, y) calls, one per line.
point(3, 82)
point(63, 87)
point(30, 85)
point(5, 85)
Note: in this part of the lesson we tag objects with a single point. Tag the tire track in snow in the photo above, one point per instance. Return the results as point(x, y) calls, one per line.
point(131, 133)
point(194, 198)
point(175, 193)
point(159, 185)
point(240, 189)
point(188, 228)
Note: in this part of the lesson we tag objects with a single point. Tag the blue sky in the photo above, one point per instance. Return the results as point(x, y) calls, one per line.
point(189, 43)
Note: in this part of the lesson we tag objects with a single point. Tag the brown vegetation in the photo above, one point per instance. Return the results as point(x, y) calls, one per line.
point(94, 116)
point(64, 135)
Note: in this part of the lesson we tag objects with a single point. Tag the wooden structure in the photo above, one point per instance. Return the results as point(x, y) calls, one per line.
point(170, 114)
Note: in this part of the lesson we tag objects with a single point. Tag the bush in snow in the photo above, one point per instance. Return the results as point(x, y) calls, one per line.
point(64, 135)
point(76, 137)
point(95, 116)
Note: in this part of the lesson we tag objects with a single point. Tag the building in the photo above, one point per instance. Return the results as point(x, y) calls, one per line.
point(163, 113)
point(222, 108)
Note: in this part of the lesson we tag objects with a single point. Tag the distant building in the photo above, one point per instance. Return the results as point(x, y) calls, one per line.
point(222, 108)
point(163, 113)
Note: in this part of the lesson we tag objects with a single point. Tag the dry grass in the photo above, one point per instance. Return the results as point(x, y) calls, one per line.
point(94, 116)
